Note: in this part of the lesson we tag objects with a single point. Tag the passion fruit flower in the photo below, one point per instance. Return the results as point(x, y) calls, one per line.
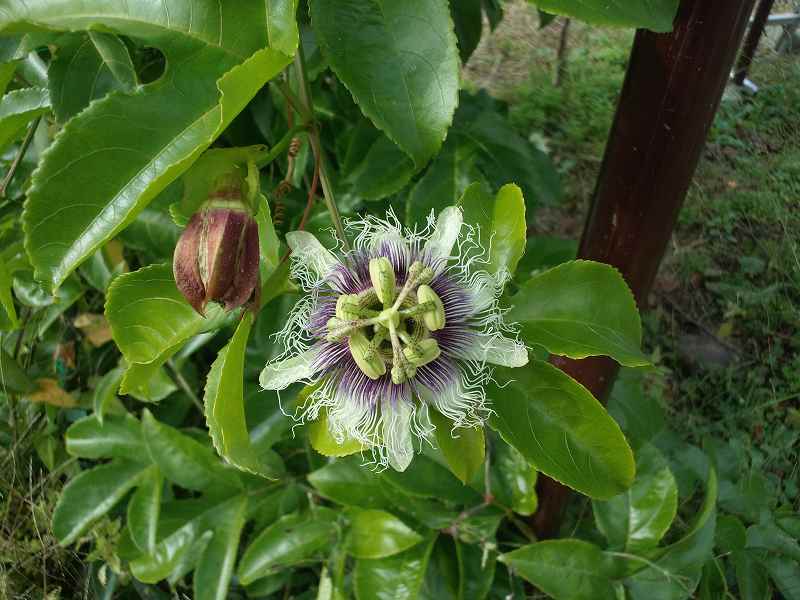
point(405, 322)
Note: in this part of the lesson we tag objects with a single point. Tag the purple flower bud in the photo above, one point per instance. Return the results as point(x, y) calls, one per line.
point(217, 255)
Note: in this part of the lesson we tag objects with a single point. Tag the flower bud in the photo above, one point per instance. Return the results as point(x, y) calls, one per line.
point(433, 319)
point(216, 257)
point(370, 363)
point(420, 353)
point(381, 273)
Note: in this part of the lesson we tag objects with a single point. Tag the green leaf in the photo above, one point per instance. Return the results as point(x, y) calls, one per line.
point(517, 479)
point(17, 109)
point(468, 22)
point(567, 569)
point(656, 15)
point(168, 554)
point(751, 576)
point(66, 296)
point(269, 507)
point(788, 521)
point(477, 571)
point(639, 414)
point(7, 70)
point(6, 299)
point(199, 179)
point(286, 542)
point(579, 309)
point(105, 392)
point(150, 320)
point(13, 378)
point(182, 459)
point(503, 155)
point(464, 449)
point(442, 578)
point(348, 483)
point(400, 62)
point(712, 581)
point(270, 425)
point(561, 429)
point(386, 169)
point(731, 536)
point(501, 224)
point(398, 577)
point(433, 514)
point(323, 442)
point(768, 536)
point(443, 183)
point(116, 57)
point(425, 478)
point(216, 62)
point(785, 574)
point(268, 242)
point(360, 138)
point(676, 571)
point(214, 570)
point(152, 232)
point(92, 494)
point(637, 519)
point(268, 585)
point(282, 31)
point(494, 12)
point(147, 383)
point(78, 73)
point(544, 252)
point(378, 534)
point(224, 406)
point(114, 437)
point(144, 509)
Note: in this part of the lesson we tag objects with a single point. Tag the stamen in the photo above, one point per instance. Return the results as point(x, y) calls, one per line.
point(418, 309)
point(356, 312)
point(417, 274)
point(434, 319)
point(367, 360)
point(402, 370)
point(423, 352)
point(381, 273)
point(348, 307)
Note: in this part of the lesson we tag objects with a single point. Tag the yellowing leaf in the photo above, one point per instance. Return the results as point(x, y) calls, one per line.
point(94, 327)
point(50, 392)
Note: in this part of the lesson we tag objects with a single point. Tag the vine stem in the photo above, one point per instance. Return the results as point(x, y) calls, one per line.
point(184, 386)
point(316, 146)
point(312, 192)
point(20, 155)
point(262, 160)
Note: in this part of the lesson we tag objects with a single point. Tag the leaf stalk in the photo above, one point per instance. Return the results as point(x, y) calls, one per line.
point(316, 147)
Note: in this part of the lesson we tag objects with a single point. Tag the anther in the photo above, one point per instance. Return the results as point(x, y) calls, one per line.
point(338, 329)
point(420, 353)
point(348, 307)
point(366, 358)
point(381, 273)
point(433, 319)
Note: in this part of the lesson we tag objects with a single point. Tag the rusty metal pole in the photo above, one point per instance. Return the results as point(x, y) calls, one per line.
point(752, 40)
point(671, 93)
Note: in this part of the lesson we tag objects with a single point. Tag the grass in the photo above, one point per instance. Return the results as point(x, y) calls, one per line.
point(725, 310)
